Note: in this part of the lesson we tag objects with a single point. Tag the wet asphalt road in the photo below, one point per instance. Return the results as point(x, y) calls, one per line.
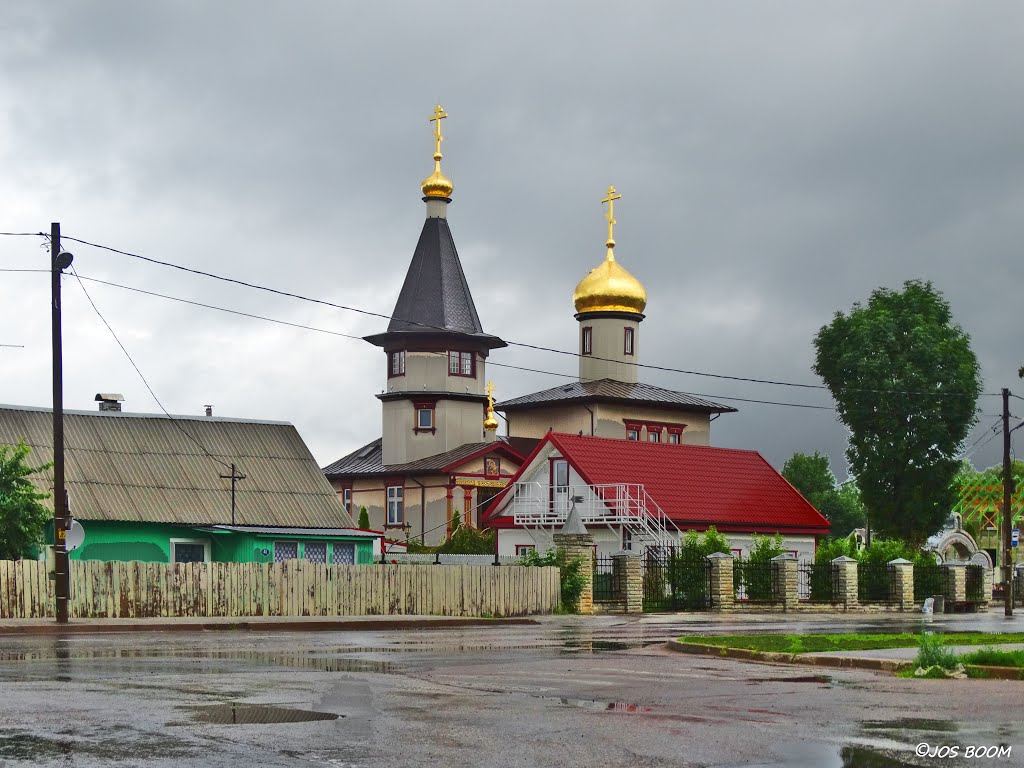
point(567, 692)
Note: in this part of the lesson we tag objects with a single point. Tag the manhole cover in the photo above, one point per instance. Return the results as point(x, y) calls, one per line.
point(256, 714)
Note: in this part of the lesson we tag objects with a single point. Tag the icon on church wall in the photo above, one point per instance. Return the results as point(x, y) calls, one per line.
point(491, 467)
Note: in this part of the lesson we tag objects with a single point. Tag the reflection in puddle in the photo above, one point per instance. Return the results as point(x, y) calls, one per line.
point(256, 714)
point(607, 706)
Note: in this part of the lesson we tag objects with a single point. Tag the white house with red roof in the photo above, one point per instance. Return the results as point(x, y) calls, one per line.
point(632, 494)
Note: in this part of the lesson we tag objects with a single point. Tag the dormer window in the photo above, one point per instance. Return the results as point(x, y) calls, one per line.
point(396, 366)
point(461, 363)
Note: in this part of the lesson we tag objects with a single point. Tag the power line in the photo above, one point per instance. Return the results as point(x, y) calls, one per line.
point(440, 354)
point(136, 367)
point(537, 347)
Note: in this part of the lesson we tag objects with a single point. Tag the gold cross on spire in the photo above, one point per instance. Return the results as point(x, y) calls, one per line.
point(610, 199)
point(490, 394)
point(439, 115)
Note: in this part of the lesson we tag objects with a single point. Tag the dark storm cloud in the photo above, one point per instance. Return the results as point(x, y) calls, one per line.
point(778, 161)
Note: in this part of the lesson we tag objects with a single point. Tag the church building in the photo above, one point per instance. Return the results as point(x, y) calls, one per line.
point(605, 442)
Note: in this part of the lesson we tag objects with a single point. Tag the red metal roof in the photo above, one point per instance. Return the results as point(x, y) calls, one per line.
point(695, 485)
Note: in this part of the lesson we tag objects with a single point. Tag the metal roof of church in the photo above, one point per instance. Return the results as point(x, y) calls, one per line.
point(435, 297)
point(144, 468)
point(695, 485)
point(368, 460)
point(610, 390)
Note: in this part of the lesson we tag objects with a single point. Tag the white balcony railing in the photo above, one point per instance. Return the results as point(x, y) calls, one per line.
point(627, 505)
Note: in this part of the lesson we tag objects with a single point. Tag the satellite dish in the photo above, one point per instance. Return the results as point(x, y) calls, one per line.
point(75, 536)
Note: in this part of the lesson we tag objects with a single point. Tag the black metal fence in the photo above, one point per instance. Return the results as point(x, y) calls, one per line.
point(976, 584)
point(818, 582)
point(876, 583)
point(609, 585)
point(755, 581)
point(676, 580)
point(929, 581)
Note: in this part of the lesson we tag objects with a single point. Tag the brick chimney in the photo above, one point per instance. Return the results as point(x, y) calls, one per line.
point(209, 410)
point(109, 401)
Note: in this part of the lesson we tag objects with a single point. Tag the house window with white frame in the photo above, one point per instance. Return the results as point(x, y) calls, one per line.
point(460, 363)
point(522, 549)
point(397, 367)
point(395, 511)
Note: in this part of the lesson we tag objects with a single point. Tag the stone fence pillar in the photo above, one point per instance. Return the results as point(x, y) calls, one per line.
point(629, 573)
point(784, 581)
point(903, 573)
point(580, 545)
point(986, 589)
point(956, 582)
point(723, 596)
point(847, 581)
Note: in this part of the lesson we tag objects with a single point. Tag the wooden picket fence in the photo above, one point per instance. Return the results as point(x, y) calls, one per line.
point(293, 588)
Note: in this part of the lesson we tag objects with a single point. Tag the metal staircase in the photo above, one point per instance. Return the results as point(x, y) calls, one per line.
point(542, 511)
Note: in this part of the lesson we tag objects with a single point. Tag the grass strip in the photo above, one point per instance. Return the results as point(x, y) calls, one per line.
point(848, 642)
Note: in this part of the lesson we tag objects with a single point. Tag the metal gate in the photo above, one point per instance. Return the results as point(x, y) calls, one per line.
point(676, 580)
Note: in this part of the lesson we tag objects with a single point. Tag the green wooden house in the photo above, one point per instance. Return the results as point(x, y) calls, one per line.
point(159, 489)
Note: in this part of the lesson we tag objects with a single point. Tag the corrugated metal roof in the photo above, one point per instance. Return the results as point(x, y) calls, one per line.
point(277, 531)
point(368, 460)
point(610, 390)
point(143, 467)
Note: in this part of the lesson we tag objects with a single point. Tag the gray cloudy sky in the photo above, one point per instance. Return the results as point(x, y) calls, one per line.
point(777, 160)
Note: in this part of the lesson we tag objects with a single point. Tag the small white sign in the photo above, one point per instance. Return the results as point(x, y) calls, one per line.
point(1015, 537)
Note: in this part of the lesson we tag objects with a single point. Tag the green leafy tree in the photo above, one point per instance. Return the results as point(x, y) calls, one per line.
point(364, 519)
point(22, 516)
point(812, 476)
point(456, 521)
point(905, 382)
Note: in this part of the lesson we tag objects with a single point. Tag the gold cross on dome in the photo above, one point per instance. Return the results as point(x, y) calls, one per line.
point(490, 393)
point(610, 199)
point(439, 115)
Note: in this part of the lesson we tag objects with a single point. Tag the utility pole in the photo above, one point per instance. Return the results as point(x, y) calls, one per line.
point(234, 477)
point(59, 261)
point(1007, 519)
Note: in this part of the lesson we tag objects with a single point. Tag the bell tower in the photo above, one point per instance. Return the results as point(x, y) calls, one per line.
point(609, 308)
point(435, 347)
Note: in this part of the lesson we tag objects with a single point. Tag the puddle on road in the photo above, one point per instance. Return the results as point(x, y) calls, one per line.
point(600, 646)
point(823, 679)
point(607, 706)
point(256, 714)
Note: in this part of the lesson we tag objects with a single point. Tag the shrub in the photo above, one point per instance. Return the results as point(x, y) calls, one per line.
point(466, 540)
point(573, 574)
point(364, 519)
point(701, 545)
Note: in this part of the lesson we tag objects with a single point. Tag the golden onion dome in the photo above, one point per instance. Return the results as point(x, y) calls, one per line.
point(437, 184)
point(609, 287)
point(491, 422)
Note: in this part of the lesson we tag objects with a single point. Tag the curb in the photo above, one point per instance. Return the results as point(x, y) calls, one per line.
point(327, 625)
point(838, 662)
